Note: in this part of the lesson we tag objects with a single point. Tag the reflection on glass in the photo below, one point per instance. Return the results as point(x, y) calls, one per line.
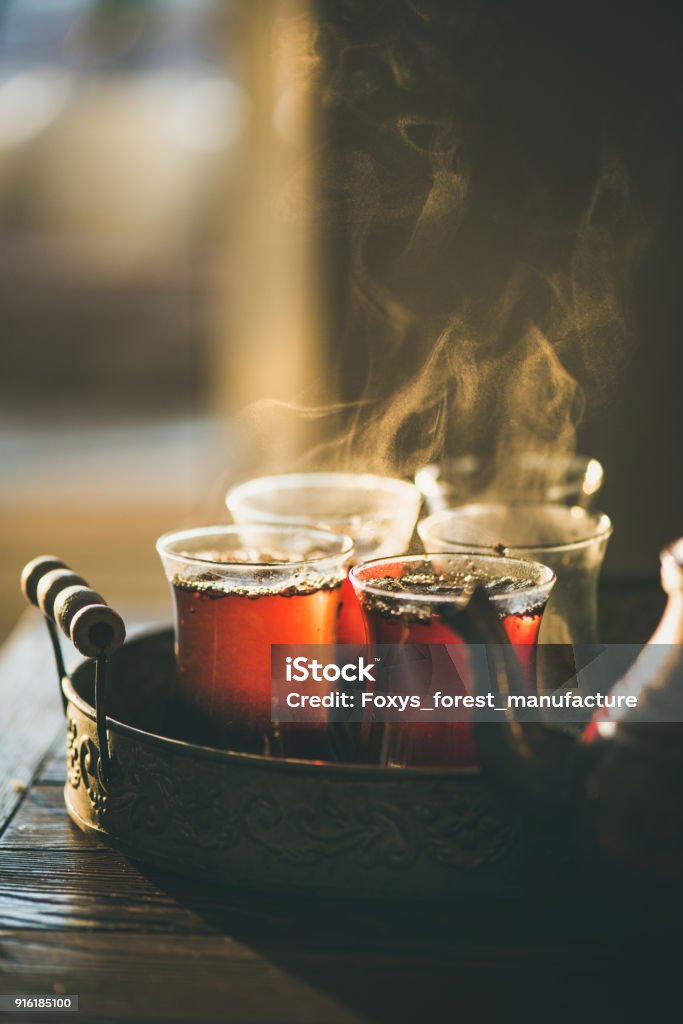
point(572, 541)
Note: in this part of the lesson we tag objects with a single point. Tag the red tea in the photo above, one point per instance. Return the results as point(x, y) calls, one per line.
point(393, 618)
point(223, 657)
point(400, 622)
point(351, 625)
point(378, 512)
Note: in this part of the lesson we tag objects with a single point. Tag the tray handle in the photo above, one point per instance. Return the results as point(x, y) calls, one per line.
point(84, 617)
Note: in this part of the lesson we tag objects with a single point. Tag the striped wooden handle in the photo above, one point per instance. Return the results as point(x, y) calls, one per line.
point(81, 613)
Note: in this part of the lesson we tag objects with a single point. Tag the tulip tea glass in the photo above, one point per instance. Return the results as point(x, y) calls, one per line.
point(417, 600)
point(378, 512)
point(527, 476)
point(237, 590)
point(572, 541)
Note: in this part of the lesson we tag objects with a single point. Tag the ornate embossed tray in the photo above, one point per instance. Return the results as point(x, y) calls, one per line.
point(246, 820)
point(325, 829)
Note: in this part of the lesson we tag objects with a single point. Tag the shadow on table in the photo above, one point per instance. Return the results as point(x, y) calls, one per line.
point(592, 953)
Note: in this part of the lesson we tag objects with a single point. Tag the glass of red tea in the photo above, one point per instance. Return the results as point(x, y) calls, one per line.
point(571, 540)
point(378, 512)
point(419, 599)
point(236, 591)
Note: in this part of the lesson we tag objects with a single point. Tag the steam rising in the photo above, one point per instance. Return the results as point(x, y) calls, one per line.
point(473, 312)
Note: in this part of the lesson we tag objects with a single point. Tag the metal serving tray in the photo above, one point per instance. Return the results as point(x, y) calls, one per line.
point(328, 829)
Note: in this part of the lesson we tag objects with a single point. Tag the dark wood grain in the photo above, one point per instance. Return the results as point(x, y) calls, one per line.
point(173, 978)
point(53, 769)
point(31, 712)
point(41, 824)
point(140, 944)
point(89, 888)
point(53, 873)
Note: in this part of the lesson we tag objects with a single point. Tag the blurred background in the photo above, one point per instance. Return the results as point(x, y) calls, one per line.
point(226, 226)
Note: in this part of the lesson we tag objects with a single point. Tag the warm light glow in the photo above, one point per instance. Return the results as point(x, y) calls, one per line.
point(427, 479)
point(207, 115)
point(593, 478)
point(290, 116)
point(30, 102)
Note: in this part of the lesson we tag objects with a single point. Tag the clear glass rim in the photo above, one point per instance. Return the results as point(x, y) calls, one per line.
point(603, 527)
point(541, 586)
point(164, 542)
point(435, 474)
point(242, 494)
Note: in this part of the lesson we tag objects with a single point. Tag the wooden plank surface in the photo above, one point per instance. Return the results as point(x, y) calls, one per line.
point(42, 824)
point(55, 875)
point(53, 769)
point(175, 978)
point(137, 943)
point(31, 713)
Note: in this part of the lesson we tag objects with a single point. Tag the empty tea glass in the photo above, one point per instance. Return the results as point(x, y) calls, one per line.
point(417, 599)
point(236, 591)
point(570, 540)
point(527, 476)
point(378, 512)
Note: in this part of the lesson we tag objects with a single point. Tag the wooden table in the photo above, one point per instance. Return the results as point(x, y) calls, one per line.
point(139, 944)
